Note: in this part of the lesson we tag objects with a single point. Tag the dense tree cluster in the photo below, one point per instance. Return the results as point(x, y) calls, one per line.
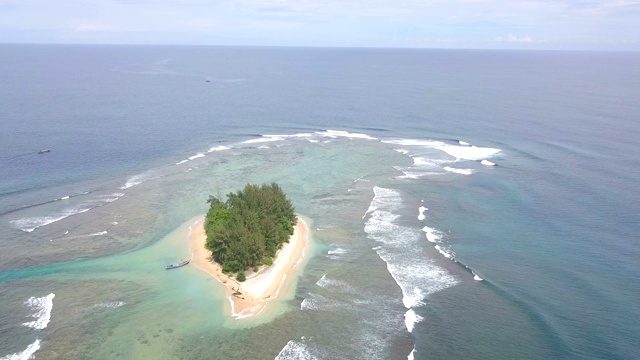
point(247, 230)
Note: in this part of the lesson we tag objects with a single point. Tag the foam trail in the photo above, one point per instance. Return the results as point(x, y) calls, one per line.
point(31, 223)
point(421, 211)
point(218, 148)
point(264, 138)
point(64, 197)
point(459, 171)
point(133, 181)
point(487, 162)
point(463, 143)
point(43, 305)
point(338, 133)
point(198, 155)
point(110, 305)
point(98, 233)
point(181, 162)
point(294, 351)
point(111, 198)
point(337, 251)
point(331, 283)
point(26, 354)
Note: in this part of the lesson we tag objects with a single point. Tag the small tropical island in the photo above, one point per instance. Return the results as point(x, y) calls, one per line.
point(251, 242)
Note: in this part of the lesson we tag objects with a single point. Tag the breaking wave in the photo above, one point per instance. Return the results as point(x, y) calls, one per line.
point(339, 133)
point(416, 276)
point(459, 171)
point(26, 354)
point(295, 351)
point(31, 223)
point(133, 181)
point(43, 307)
point(219, 148)
point(411, 318)
point(198, 155)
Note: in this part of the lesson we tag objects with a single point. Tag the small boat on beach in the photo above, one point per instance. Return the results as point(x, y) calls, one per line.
point(177, 265)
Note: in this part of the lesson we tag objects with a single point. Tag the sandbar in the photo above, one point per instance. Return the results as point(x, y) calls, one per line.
point(252, 296)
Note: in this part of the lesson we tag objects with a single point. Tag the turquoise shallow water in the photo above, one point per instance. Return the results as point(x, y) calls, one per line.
point(406, 218)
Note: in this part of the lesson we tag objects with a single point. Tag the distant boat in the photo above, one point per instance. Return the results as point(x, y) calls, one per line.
point(177, 265)
point(208, 80)
point(44, 151)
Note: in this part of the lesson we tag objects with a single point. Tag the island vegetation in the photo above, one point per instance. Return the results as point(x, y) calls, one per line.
point(247, 229)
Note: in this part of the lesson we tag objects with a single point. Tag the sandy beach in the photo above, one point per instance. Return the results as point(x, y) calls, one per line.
point(252, 296)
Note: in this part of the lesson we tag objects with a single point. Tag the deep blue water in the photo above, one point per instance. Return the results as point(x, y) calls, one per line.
point(552, 229)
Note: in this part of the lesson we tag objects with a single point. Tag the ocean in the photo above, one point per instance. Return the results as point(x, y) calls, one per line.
point(463, 204)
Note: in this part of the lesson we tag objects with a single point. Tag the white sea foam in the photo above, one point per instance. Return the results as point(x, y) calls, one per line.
point(64, 197)
point(468, 152)
point(295, 351)
point(402, 151)
point(26, 354)
point(464, 143)
point(133, 181)
point(198, 155)
point(263, 139)
point(487, 163)
point(338, 133)
point(459, 171)
point(411, 355)
point(337, 251)
point(218, 148)
point(416, 174)
point(324, 282)
point(182, 162)
point(432, 234)
point(111, 198)
point(460, 152)
point(284, 136)
point(410, 319)
point(309, 304)
point(422, 161)
point(413, 142)
point(29, 224)
point(416, 276)
point(110, 305)
point(444, 251)
point(421, 211)
point(43, 307)
point(476, 277)
point(98, 233)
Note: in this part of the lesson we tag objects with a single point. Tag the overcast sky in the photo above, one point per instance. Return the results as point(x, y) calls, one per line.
point(533, 24)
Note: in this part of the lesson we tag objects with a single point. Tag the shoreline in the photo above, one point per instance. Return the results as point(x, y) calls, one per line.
point(251, 297)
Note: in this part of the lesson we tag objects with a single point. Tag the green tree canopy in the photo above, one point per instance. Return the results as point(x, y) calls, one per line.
point(248, 228)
